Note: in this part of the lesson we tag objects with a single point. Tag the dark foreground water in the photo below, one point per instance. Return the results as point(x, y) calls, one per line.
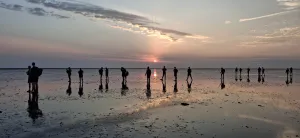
point(242, 109)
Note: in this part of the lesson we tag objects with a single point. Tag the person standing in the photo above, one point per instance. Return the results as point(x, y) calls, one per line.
point(189, 73)
point(101, 73)
point(29, 78)
point(148, 74)
point(222, 73)
point(106, 73)
point(259, 71)
point(263, 71)
point(35, 73)
point(123, 70)
point(175, 73)
point(291, 71)
point(248, 72)
point(80, 73)
point(69, 72)
point(164, 73)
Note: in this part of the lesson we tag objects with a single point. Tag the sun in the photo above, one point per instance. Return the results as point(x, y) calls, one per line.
point(154, 60)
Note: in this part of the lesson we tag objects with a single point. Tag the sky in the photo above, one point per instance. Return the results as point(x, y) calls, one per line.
point(140, 33)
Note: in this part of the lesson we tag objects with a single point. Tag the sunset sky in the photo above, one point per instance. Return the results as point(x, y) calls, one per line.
point(138, 33)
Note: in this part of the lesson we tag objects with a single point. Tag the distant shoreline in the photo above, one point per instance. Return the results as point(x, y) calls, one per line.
point(151, 68)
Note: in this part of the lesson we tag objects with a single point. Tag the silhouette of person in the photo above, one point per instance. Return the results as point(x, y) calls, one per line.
point(164, 73)
point(287, 71)
point(124, 74)
point(148, 74)
point(175, 70)
point(29, 79)
point(80, 73)
point(241, 70)
point(222, 73)
point(248, 74)
point(34, 112)
point(106, 73)
point(291, 72)
point(189, 74)
point(69, 72)
point(175, 87)
point(148, 91)
point(164, 84)
point(236, 73)
point(69, 90)
point(189, 85)
point(80, 92)
point(259, 71)
point(263, 71)
point(101, 73)
point(124, 88)
point(35, 73)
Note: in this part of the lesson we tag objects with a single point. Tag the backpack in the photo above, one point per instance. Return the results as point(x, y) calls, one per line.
point(127, 73)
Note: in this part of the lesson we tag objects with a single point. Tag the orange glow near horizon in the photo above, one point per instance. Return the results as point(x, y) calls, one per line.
point(154, 60)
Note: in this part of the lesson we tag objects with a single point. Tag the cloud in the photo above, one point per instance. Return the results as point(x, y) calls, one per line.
point(124, 21)
point(37, 11)
point(283, 35)
point(228, 22)
point(14, 7)
point(34, 11)
point(266, 16)
point(289, 4)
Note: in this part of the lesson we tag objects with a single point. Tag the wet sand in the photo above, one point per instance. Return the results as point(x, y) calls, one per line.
point(241, 109)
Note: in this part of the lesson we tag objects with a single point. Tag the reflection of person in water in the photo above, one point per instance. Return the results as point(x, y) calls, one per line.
point(101, 86)
point(148, 91)
point(124, 88)
point(189, 85)
point(175, 87)
point(69, 90)
point(106, 85)
point(33, 107)
point(80, 92)
point(164, 84)
point(222, 83)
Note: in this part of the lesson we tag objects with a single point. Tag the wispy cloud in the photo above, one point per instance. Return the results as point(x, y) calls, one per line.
point(34, 11)
point(265, 16)
point(136, 23)
point(289, 4)
point(287, 34)
point(14, 7)
point(228, 22)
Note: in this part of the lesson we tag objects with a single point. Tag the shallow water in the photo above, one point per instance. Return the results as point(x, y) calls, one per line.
point(242, 109)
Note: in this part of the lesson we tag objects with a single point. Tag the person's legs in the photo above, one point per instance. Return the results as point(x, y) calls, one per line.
point(29, 85)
